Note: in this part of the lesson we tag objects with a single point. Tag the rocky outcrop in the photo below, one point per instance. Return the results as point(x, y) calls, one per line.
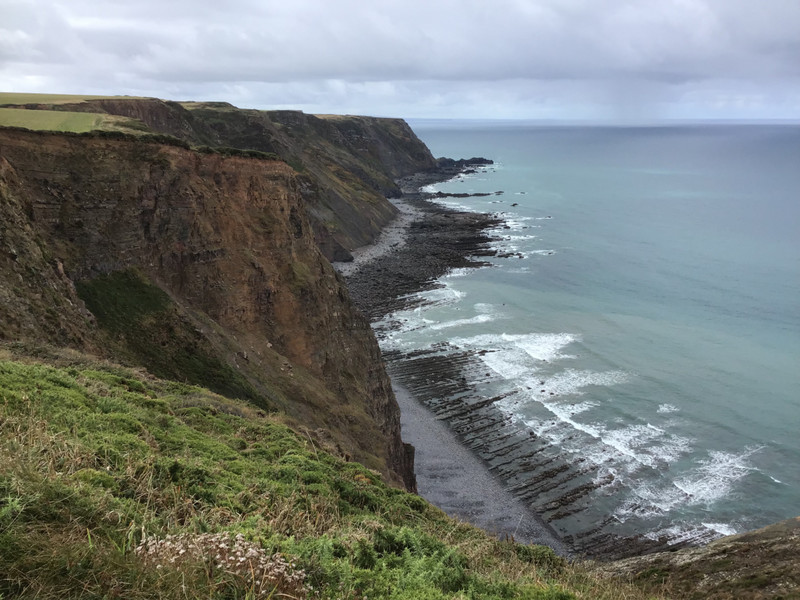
point(756, 564)
point(346, 165)
point(37, 299)
point(215, 252)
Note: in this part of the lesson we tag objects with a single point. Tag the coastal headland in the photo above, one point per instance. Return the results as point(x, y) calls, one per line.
point(186, 381)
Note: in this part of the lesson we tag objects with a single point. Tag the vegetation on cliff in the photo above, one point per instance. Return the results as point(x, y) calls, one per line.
point(117, 484)
point(183, 247)
point(200, 267)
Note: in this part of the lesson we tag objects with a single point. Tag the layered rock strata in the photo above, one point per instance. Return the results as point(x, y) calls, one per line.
point(453, 383)
point(346, 166)
point(227, 243)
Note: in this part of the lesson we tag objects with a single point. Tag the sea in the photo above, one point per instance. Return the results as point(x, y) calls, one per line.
point(641, 318)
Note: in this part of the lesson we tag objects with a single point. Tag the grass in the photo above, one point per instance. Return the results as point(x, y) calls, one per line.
point(28, 98)
point(117, 484)
point(65, 121)
point(50, 120)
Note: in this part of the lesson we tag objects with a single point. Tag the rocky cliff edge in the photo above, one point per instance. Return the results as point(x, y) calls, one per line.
point(201, 268)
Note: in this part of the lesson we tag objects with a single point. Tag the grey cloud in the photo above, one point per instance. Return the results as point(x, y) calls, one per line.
point(653, 48)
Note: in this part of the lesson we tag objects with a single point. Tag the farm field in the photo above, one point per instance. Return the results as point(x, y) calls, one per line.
point(26, 98)
point(51, 120)
point(59, 120)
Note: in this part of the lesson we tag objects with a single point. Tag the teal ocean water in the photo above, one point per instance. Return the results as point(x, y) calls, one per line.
point(647, 322)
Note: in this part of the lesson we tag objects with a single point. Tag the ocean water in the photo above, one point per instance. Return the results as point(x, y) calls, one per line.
point(645, 319)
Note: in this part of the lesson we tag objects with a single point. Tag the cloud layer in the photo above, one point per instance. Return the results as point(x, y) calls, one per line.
point(511, 58)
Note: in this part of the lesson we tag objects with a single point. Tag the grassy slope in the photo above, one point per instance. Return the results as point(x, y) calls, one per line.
point(143, 324)
point(95, 458)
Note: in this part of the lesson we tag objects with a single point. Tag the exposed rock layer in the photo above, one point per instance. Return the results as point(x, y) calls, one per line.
point(346, 165)
point(228, 240)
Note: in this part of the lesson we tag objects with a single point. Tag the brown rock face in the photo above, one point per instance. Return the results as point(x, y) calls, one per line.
point(346, 164)
point(229, 241)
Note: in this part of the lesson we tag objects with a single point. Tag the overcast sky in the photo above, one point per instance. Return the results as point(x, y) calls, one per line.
point(555, 59)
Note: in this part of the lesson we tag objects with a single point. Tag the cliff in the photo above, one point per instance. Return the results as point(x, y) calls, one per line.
point(205, 268)
point(346, 165)
point(200, 267)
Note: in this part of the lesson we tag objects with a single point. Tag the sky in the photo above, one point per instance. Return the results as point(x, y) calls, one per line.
point(615, 60)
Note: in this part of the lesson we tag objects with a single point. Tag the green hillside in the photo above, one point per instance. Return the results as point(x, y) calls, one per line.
point(117, 484)
point(30, 98)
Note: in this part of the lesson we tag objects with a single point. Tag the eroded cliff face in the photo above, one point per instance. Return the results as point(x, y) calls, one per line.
point(346, 165)
point(221, 254)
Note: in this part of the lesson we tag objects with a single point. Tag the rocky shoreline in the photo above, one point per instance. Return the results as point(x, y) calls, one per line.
point(535, 482)
point(426, 241)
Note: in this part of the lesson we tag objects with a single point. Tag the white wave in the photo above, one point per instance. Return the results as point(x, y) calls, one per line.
point(721, 528)
point(538, 346)
point(715, 477)
point(545, 346)
point(446, 294)
point(406, 321)
point(571, 381)
point(458, 273)
point(454, 205)
point(649, 500)
point(713, 480)
point(505, 365)
point(646, 445)
point(512, 224)
point(677, 534)
point(579, 407)
point(667, 408)
point(514, 238)
point(484, 318)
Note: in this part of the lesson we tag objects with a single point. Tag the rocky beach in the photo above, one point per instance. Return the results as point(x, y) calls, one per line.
point(472, 459)
point(423, 243)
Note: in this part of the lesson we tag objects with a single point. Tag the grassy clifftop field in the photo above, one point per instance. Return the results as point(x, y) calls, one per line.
point(42, 112)
point(117, 484)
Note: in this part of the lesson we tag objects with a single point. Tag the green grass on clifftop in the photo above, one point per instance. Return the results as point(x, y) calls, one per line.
point(60, 120)
point(114, 484)
point(50, 120)
point(29, 98)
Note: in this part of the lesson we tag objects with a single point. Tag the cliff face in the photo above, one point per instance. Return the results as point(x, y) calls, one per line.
point(37, 299)
point(183, 255)
point(346, 165)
